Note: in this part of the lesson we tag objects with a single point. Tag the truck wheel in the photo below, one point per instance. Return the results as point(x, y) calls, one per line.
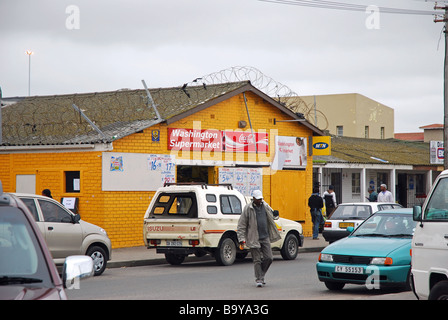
point(439, 291)
point(290, 247)
point(174, 259)
point(226, 253)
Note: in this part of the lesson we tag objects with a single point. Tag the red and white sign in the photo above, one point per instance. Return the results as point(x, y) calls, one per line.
point(194, 139)
point(241, 141)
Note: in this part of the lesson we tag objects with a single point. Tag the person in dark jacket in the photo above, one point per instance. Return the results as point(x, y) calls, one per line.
point(316, 204)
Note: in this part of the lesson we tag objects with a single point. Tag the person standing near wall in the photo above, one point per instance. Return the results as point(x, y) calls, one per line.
point(316, 204)
point(330, 200)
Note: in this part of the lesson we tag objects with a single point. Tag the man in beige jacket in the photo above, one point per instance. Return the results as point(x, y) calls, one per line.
point(257, 229)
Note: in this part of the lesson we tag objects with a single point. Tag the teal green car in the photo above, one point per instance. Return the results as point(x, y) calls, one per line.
point(376, 254)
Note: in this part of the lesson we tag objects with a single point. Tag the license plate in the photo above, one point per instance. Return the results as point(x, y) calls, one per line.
point(347, 269)
point(346, 224)
point(174, 243)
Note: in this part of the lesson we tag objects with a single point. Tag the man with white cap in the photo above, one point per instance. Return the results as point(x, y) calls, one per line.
point(257, 229)
point(385, 195)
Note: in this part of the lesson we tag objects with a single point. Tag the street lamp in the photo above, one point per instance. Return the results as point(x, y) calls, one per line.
point(29, 53)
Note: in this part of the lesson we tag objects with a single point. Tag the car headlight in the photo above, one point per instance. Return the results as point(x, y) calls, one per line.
point(387, 261)
point(325, 257)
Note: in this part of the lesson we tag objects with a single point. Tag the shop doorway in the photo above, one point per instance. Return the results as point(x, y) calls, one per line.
point(199, 174)
point(288, 194)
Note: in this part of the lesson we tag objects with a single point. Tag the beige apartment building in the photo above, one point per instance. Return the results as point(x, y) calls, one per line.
point(351, 115)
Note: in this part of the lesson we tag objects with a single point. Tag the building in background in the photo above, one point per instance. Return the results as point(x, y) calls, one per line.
point(351, 115)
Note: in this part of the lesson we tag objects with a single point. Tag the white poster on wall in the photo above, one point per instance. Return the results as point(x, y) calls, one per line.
point(290, 152)
point(245, 180)
point(136, 171)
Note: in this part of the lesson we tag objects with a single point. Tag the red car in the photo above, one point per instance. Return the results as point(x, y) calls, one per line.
point(27, 270)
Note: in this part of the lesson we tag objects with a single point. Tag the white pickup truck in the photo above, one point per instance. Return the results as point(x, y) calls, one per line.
point(200, 219)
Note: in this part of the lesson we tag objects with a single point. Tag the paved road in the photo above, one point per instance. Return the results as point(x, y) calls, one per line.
point(205, 280)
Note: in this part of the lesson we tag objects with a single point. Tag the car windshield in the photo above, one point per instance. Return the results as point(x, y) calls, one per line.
point(387, 225)
point(21, 259)
point(352, 212)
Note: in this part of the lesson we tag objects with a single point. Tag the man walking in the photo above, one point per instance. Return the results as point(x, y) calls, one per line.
point(257, 229)
point(316, 204)
point(385, 195)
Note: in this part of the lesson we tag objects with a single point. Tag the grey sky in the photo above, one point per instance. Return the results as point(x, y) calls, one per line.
point(171, 42)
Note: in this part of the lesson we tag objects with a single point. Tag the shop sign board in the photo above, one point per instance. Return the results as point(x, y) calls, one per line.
point(181, 139)
point(321, 146)
point(194, 139)
point(437, 150)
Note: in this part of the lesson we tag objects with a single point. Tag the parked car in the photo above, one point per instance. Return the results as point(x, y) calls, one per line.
point(27, 271)
point(351, 215)
point(66, 234)
point(377, 251)
point(430, 244)
point(202, 219)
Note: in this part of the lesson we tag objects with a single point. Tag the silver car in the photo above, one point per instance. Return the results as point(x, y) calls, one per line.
point(66, 234)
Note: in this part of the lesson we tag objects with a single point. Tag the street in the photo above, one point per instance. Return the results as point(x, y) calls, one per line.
point(204, 280)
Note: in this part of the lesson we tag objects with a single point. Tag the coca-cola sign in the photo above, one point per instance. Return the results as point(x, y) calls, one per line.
point(243, 141)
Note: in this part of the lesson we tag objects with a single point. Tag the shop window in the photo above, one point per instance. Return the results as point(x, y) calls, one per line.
point(72, 181)
point(340, 131)
point(356, 183)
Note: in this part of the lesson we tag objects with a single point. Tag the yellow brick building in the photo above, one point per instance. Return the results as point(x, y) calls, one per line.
point(106, 163)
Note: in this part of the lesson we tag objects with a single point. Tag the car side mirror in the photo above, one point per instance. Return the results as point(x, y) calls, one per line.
point(417, 213)
point(276, 214)
point(350, 229)
point(76, 218)
point(76, 268)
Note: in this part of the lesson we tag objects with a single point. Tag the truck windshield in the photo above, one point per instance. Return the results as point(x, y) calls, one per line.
point(437, 207)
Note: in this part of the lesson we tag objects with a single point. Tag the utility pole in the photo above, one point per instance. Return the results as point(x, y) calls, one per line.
point(445, 84)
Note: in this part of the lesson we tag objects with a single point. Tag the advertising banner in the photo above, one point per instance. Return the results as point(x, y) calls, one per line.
point(436, 153)
point(321, 146)
point(244, 141)
point(290, 152)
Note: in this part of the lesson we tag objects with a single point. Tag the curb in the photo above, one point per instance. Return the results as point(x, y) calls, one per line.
point(160, 261)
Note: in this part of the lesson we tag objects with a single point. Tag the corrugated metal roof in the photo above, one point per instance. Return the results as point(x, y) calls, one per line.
point(377, 151)
point(49, 120)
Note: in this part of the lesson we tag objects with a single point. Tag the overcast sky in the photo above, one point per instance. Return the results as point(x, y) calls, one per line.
point(98, 45)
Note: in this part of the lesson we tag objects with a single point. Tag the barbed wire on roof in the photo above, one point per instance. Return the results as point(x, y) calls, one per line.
point(270, 87)
point(54, 120)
